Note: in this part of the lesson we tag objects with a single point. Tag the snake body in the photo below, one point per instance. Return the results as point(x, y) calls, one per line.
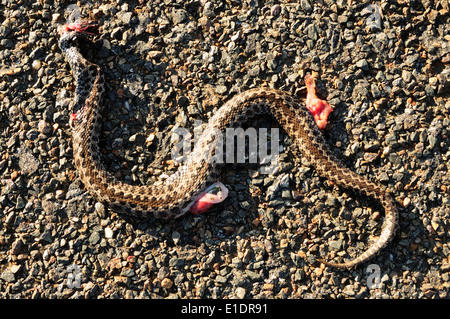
point(166, 198)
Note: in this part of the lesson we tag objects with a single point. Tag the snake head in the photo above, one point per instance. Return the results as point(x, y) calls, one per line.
point(70, 32)
point(89, 28)
point(214, 194)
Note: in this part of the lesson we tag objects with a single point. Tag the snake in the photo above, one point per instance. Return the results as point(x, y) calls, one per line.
point(166, 197)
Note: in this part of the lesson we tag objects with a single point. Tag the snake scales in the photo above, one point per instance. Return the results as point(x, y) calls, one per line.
point(165, 198)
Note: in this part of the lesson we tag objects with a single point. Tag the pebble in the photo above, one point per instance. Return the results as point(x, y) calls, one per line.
point(176, 237)
point(363, 64)
point(108, 232)
point(125, 17)
point(262, 241)
point(240, 292)
point(27, 161)
point(44, 127)
point(94, 238)
point(275, 10)
point(16, 247)
point(336, 245)
point(166, 283)
point(8, 276)
point(36, 65)
point(179, 16)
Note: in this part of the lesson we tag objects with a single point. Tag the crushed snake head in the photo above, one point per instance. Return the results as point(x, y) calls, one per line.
point(214, 194)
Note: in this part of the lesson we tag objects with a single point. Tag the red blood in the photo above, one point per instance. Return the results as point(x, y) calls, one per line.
point(200, 207)
point(86, 27)
point(320, 109)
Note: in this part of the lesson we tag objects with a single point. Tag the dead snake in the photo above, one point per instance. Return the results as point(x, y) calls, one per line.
point(166, 198)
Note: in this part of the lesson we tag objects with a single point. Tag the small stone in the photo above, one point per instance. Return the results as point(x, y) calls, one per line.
point(166, 283)
point(15, 268)
point(116, 33)
point(236, 262)
point(370, 157)
point(208, 9)
point(221, 280)
point(284, 243)
point(125, 17)
point(16, 246)
point(348, 290)
point(8, 276)
point(56, 17)
point(32, 135)
point(44, 127)
point(176, 237)
point(299, 275)
point(254, 276)
point(362, 64)
point(154, 54)
point(306, 6)
point(127, 272)
point(36, 64)
point(336, 245)
point(176, 262)
point(204, 22)
point(94, 238)
point(268, 245)
point(27, 162)
point(236, 36)
point(240, 292)
point(311, 32)
point(406, 201)
point(286, 194)
point(200, 288)
point(331, 201)
point(179, 16)
point(60, 194)
point(20, 203)
point(445, 267)
point(57, 117)
point(221, 89)
point(163, 273)
point(282, 181)
point(275, 10)
point(342, 19)
point(411, 59)
point(99, 208)
point(108, 232)
point(435, 225)
point(268, 286)
point(121, 280)
point(398, 82)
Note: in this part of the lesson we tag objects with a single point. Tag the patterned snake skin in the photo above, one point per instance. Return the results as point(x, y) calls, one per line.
point(166, 198)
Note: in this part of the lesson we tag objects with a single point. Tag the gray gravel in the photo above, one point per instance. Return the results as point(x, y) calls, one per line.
point(383, 65)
